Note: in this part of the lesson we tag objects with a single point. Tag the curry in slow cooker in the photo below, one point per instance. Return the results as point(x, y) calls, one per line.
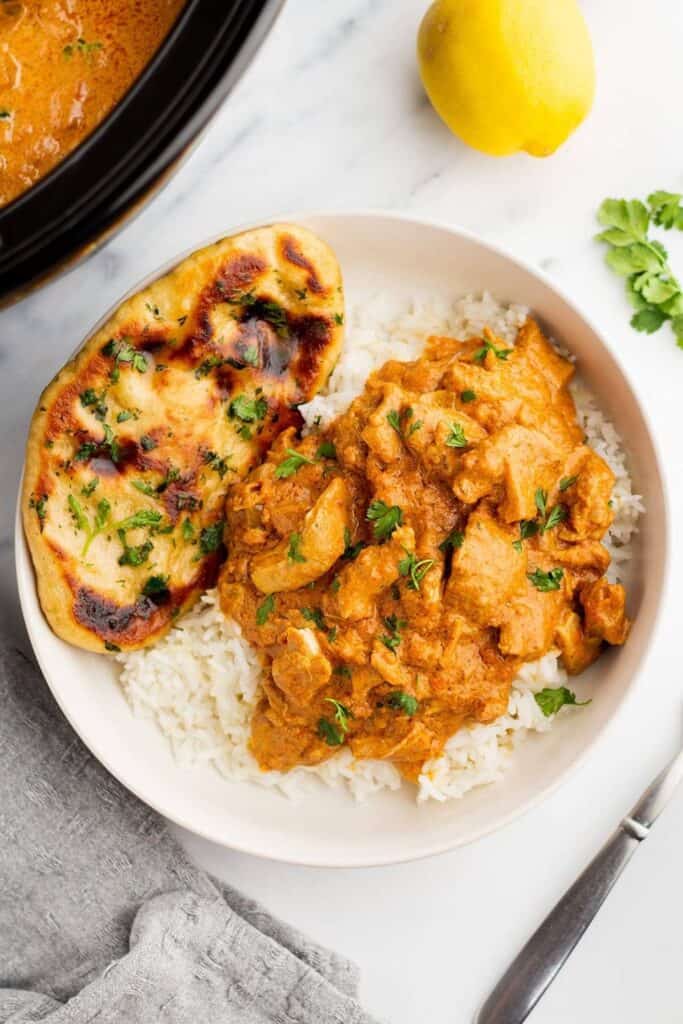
point(64, 64)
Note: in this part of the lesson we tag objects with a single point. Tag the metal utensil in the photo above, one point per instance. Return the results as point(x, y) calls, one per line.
point(542, 958)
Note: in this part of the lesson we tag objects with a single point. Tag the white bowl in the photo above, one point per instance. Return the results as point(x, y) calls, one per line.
point(403, 257)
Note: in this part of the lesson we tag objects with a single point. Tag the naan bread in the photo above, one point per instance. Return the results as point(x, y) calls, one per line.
point(137, 439)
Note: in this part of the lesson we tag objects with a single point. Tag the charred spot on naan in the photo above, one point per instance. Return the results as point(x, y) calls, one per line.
point(179, 394)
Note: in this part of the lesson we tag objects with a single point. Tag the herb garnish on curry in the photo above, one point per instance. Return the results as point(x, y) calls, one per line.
point(396, 569)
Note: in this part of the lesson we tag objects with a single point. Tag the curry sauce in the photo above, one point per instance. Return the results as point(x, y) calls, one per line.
point(397, 568)
point(63, 65)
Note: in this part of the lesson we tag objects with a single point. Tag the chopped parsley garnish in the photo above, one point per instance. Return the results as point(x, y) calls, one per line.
point(326, 450)
point(123, 352)
point(456, 438)
point(82, 522)
point(207, 366)
point(400, 421)
point(500, 353)
point(314, 615)
point(540, 500)
point(109, 646)
point(211, 537)
point(250, 355)
point(145, 488)
point(265, 609)
point(393, 638)
point(88, 488)
point(5, 114)
point(335, 585)
point(293, 552)
point(414, 570)
point(550, 699)
point(81, 46)
point(40, 507)
point(147, 443)
point(291, 464)
point(568, 481)
point(219, 465)
point(546, 581)
point(467, 396)
point(91, 400)
point(263, 309)
point(342, 670)
point(557, 515)
point(402, 701)
point(188, 531)
point(351, 550)
point(384, 519)
point(127, 414)
point(156, 587)
point(329, 732)
point(342, 714)
point(454, 540)
point(134, 555)
point(339, 319)
point(145, 517)
point(154, 310)
point(249, 410)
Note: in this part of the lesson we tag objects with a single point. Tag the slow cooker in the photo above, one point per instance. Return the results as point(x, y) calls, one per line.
point(108, 178)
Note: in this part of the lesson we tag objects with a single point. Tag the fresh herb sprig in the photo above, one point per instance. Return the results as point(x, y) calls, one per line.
point(653, 290)
point(551, 699)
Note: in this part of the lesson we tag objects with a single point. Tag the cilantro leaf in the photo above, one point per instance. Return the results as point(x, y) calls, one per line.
point(546, 581)
point(293, 552)
point(666, 209)
point(330, 733)
point(384, 519)
point(414, 570)
point(568, 481)
point(342, 714)
point(248, 410)
point(290, 465)
point(351, 550)
point(454, 540)
point(265, 609)
point(314, 615)
point(550, 699)
point(402, 701)
point(211, 537)
point(156, 587)
point(456, 438)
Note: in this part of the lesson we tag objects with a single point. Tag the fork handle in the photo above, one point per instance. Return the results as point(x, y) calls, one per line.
point(540, 961)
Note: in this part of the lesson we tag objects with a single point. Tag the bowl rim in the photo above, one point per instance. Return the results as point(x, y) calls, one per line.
point(26, 578)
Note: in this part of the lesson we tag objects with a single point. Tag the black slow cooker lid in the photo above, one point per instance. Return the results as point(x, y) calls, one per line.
point(112, 171)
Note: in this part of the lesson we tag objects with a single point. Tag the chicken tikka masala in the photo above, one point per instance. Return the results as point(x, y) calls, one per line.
point(395, 569)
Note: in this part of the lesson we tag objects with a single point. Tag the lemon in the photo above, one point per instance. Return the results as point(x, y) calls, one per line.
point(508, 75)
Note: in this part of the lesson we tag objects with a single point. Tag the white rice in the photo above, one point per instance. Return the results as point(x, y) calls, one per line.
point(200, 683)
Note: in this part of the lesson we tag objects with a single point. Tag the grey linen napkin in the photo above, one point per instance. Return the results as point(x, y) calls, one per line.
point(102, 916)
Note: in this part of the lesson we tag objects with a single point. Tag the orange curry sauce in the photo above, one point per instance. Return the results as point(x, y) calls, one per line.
point(63, 65)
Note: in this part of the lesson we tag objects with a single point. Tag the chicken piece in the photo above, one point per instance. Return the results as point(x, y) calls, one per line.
point(321, 541)
point(300, 669)
point(389, 666)
point(528, 623)
point(402, 740)
point(379, 435)
point(375, 569)
point(486, 569)
point(473, 678)
point(604, 609)
point(588, 558)
point(588, 498)
point(538, 358)
point(437, 421)
point(511, 465)
point(279, 745)
point(578, 650)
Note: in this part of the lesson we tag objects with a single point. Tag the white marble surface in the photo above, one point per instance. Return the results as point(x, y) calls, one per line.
point(331, 115)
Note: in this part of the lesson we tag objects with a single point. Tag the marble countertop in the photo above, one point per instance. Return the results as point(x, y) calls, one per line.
point(331, 116)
